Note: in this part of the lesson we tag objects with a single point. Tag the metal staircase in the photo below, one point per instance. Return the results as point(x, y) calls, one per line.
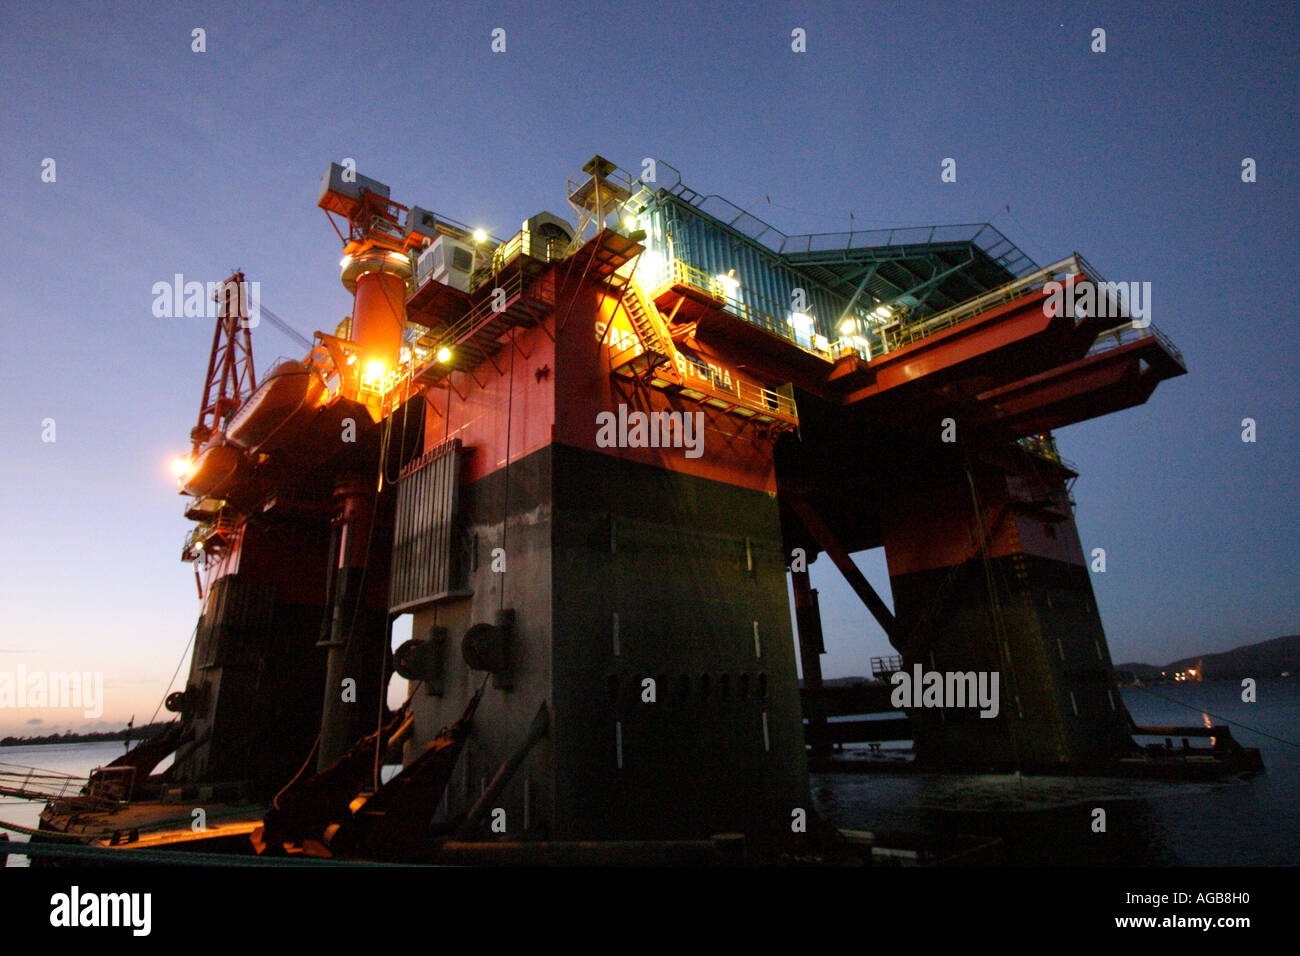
point(656, 360)
point(656, 343)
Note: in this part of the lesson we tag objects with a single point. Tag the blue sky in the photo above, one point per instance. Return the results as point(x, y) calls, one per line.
point(173, 161)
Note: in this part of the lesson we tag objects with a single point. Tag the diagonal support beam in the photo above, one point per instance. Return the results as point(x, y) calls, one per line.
point(857, 293)
point(827, 541)
point(932, 283)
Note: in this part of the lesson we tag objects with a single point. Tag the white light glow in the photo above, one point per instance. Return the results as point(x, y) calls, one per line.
point(651, 266)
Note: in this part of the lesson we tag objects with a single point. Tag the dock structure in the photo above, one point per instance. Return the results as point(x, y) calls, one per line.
point(584, 458)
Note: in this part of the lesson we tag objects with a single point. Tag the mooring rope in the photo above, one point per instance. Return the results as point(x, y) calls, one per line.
point(1226, 720)
point(179, 664)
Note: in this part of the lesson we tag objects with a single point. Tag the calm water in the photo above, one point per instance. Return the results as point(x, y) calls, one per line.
point(1048, 820)
point(1041, 820)
point(75, 759)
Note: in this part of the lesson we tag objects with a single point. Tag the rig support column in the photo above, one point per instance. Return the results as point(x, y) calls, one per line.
point(989, 576)
point(350, 655)
point(809, 621)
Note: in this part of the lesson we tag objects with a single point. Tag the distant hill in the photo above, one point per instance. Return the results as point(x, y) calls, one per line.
point(1265, 659)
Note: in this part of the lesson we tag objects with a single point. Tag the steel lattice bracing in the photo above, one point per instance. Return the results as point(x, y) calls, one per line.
point(231, 377)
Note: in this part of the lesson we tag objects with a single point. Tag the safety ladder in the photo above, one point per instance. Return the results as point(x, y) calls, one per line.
point(657, 347)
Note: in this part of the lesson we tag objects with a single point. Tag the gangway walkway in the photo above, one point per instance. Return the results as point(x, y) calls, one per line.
point(33, 783)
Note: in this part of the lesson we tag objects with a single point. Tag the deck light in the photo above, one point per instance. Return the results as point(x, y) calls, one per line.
point(652, 264)
point(480, 235)
point(444, 354)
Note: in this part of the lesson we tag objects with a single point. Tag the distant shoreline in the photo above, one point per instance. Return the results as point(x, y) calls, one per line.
point(1278, 658)
point(103, 736)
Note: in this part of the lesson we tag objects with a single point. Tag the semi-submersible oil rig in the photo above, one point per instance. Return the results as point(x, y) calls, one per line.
point(585, 458)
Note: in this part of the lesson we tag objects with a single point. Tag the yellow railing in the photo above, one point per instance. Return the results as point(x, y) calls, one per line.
point(197, 537)
point(970, 308)
point(1044, 446)
point(746, 394)
point(1076, 265)
point(425, 354)
point(682, 273)
point(973, 307)
point(757, 397)
point(522, 243)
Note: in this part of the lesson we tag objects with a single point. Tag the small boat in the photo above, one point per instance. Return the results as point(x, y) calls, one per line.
point(217, 468)
point(276, 412)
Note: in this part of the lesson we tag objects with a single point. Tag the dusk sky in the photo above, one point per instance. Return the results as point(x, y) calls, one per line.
point(172, 161)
